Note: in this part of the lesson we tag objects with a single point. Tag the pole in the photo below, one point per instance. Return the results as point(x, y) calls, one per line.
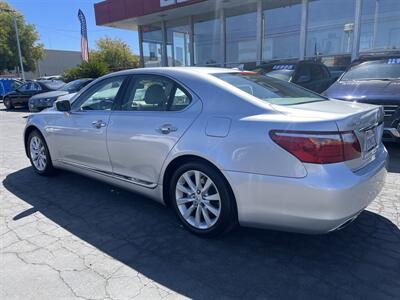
point(357, 29)
point(19, 47)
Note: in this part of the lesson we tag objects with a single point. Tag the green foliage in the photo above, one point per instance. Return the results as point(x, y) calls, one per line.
point(90, 69)
point(115, 53)
point(28, 36)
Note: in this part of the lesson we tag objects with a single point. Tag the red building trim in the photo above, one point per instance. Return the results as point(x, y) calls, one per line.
point(110, 11)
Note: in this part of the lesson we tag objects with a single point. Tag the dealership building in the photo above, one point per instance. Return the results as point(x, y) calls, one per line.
point(233, 33)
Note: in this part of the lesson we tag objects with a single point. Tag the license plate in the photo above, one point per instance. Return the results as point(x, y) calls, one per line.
point(370, 140)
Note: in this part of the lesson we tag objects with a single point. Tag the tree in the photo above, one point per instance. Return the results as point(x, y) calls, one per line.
point(28, 36)
point(115, 53)
point(90, 69)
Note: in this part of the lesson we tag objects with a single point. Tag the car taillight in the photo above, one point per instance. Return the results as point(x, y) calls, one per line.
point(319, 147)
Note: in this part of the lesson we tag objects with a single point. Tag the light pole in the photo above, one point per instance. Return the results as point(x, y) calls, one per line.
point(17, 37)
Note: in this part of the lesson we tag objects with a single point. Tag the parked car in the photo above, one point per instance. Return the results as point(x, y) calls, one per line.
point(52, 77)
point(373, 80)
point(7, 85)
point(309, 74)
point(21, 95)
point(220, 146)
point(44, 100)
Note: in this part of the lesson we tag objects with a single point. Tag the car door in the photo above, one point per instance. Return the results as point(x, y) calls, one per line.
point(79, 136)
point(20, 94)
point(155, 113)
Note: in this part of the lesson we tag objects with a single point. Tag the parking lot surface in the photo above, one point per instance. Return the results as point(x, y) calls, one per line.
point(71, 237)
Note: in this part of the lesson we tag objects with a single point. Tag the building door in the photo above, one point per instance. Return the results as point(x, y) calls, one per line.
point(180, 49)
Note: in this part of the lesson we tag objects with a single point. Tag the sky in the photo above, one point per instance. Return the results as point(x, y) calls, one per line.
point(58, 25)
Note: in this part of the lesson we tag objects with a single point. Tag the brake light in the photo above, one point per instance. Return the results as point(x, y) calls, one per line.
point(319, 147)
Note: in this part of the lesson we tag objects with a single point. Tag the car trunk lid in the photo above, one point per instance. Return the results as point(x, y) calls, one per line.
point(366, 121)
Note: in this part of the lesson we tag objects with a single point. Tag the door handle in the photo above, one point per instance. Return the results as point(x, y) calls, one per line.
point(98, 124)
point(167, 128)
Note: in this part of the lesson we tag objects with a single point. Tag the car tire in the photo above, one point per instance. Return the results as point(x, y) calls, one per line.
point(206, 208)
point(8, 104)
point(39, 154)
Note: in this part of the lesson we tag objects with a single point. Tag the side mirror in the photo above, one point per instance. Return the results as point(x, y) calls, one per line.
point(63, 105)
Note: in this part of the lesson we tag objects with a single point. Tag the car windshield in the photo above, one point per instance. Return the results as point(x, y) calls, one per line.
point(376, 69)
point(269, 89)
point(72, 86)
point(53, 84)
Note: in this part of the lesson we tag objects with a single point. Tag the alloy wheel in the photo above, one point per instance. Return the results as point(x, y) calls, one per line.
point(38, 153)
point(198, 199)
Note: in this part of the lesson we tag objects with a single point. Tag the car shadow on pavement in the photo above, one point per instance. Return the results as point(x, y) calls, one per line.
point(361, 261)
point(15, 109)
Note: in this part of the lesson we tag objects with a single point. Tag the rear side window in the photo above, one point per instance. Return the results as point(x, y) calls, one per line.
point(269, 89)
point(179, 100)
point(154, 93)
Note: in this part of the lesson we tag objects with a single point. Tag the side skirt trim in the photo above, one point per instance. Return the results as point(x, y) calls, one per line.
point(128, 179)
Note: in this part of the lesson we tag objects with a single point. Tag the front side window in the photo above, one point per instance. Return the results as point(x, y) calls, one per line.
point(35, 87)
point(102, 95)
point(269, 89)
point(377, 69)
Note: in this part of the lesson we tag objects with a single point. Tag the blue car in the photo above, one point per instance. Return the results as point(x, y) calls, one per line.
point(373, 80)
point(8, 85)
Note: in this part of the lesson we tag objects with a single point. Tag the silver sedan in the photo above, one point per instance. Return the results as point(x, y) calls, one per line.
point(220, 146)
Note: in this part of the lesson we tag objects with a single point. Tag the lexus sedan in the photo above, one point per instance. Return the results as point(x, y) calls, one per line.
point(219, 146)
point(44, 100)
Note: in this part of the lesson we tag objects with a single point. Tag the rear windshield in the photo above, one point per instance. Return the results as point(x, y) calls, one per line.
point(53, 84)
point(269, 89)
point(376, 69)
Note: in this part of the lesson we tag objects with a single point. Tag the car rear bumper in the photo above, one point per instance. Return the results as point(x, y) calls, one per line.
point(327, 198)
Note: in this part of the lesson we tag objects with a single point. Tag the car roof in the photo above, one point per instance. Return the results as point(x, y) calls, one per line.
point(175, 70)
point(365, 58)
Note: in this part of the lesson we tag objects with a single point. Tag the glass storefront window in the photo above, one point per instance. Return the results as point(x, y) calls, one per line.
point(207, 32)
point(380, 25)
point(330, 27)
point(152, 45)
point(282, 20)
point(178, 42)
point(241, 31)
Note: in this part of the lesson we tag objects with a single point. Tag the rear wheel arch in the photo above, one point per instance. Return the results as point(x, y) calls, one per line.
point(180, 160)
